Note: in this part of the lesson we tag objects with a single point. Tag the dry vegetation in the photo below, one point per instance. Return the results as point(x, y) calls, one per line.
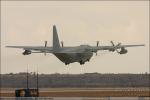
point(75, 80)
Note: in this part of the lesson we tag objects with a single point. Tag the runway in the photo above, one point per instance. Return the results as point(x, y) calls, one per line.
point(77, 98)
point(85, 92)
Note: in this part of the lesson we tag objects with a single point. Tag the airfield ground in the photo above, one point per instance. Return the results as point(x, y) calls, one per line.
point(85, 92)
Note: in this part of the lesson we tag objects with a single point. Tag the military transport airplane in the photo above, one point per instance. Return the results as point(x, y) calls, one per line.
point(67, 55)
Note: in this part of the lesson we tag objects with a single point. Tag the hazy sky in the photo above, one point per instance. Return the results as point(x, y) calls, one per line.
point(78, 22)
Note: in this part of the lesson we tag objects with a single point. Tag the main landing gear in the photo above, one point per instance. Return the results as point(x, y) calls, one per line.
point(66, 63)
point(81, 62)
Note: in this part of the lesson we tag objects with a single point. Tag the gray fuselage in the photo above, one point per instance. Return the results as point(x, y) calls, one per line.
point(74, 54)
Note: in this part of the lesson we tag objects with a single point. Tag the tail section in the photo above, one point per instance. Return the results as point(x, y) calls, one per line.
point(56, 44)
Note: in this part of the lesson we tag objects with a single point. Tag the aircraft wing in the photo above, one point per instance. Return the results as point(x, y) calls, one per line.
point(114, 48)
point(34, 48)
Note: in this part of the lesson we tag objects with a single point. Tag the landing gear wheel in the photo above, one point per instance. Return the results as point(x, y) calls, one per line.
point(81, 62)
point(66, 63)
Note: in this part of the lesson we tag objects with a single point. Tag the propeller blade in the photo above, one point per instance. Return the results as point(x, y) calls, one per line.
point(62, 43)
point(117, 49)
point(96, 53)
point(97, 43)
point(45, 43)
point(45, 46)
point(112, 43)
point(118, 44)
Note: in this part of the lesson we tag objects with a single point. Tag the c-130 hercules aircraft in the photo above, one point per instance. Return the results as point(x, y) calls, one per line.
point(67, 55)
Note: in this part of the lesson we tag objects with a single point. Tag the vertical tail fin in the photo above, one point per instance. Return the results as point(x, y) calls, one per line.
point(56, 44)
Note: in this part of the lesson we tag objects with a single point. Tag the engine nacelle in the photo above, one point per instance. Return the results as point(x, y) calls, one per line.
point(26, 52)
point(123, 51)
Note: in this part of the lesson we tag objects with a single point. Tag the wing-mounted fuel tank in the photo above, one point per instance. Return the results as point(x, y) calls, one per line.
point(26, 52)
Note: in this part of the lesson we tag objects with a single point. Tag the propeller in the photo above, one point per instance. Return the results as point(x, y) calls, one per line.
point(45, 43)
point(96, 53)
point(97, 44)
point(45, 47)
point(112, 43)
point(62, 43)
point(115, 46)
